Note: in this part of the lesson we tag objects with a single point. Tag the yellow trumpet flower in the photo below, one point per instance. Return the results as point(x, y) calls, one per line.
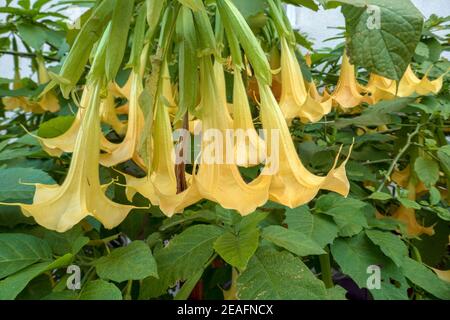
point(66, 142)
point(410, 84)
point(315, 106)
point(347, 92)
point(381, 88)
point(48, 102)
point(217, 180)
point(293, 87)
point(127, 149)
point(219, 76)
point(109, 114)
point(251, 151)
point(293, 185)
point(160, 185)
point(61, 207)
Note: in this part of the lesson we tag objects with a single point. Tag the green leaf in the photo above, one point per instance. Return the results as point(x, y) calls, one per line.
point(427, 170)
point(391, 245)
point(250, 8)
point(33, 35)
point(444, 214)
point(13, 285)
point(18, 251)
point(409, 203)
point(382, 35)
point(14, 183)
point(273, 275)
point(71, 241)
point(316, 226)
point(100, 290)
point(133, 262)
point(184, 256)
point(380, 196)
point(237, 249)
point(376, 115)
point(348, 213)
point(444, 157)
point(294, 241)
point(55, 127)
point(420, 275)
point(355, 255)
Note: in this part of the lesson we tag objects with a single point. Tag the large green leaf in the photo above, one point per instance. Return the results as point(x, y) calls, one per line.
point(55, 127)
point(355, 255)
point(391, 245)
point(348, 213)
point(13, 285)
point(15, 183)
point(382, 35)
point(427, 170)
point(71, 241)
point(420, 275)
point(133, 262)
point(100, 290)
point(237, 249)
point(316, 226)
point(184, 256)
point(273, 275)
point(18, 251)
point(294, 241)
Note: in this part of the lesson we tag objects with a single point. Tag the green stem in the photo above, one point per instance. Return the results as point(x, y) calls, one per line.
point(399, 156)
point(325, 267)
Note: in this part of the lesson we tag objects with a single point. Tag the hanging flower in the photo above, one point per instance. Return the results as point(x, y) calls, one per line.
point(216, 179)
point(109, 114)
point(293, 185)
point(48, 102)
point(250, 148)
point(410, 84)
point(61, 207)
point(293, 92)
point(347, 92)
point(381, 88)
point(126, 150)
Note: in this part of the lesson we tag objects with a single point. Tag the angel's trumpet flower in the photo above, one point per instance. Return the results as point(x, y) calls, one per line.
point(315, 106)
point(410, 84)
point(347, 92)
point(48, 102)
point(250, 148)
point(408, 215)
point(293, 87)
point(219, 77)
point(293, 185)
point(168, 93)
point(109, 114)
point(127, 149)
point(61, 207)
point(66, 142)
point(160, 185)
point(217, 179)
point(381, 88)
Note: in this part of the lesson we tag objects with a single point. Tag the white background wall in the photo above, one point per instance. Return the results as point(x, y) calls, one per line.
point(315, 24)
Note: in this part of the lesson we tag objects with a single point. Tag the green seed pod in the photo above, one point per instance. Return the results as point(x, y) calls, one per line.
point(232, 18)
point(117, 43)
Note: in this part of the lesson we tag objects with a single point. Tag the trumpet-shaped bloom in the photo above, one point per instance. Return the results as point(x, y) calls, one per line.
point(61, 207)
point(250, 148)
point(408, 217)
point(293, 90)
point(219, 77)
point(109, 114)
point(160, 185)
point(410, 84)
point(48, 102)
point(347, 92)
point(381, 88)
point(315, 106)
point(127, 149)
point(66, 142)
point(222, 182)
point(293, 185)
